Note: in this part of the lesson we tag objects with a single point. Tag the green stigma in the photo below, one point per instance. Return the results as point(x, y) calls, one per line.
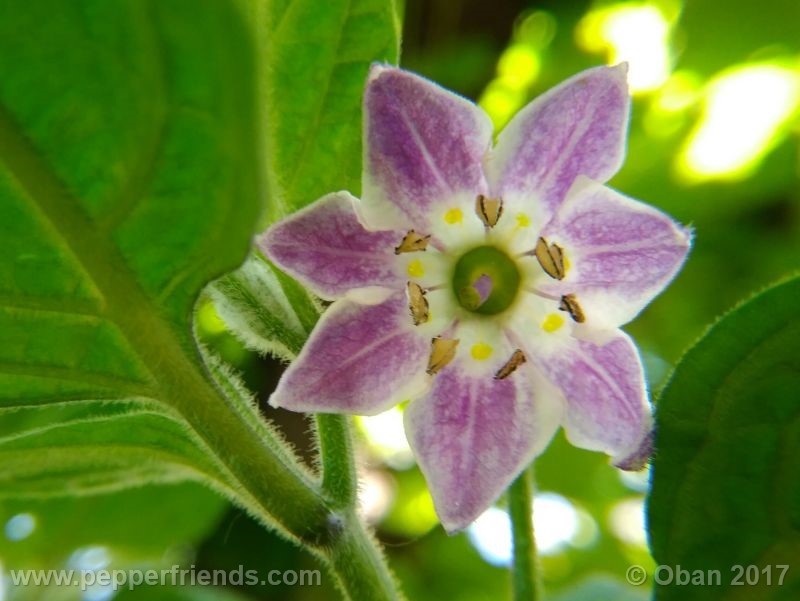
point(487, 295)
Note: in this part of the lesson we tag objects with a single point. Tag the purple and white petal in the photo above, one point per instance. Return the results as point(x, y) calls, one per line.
point(621, 252)
point(577, 128)
point(607, 408)
point(472, 435)
point(359, 359)
point(326, 248)
point(423, 151)
point(640, 456)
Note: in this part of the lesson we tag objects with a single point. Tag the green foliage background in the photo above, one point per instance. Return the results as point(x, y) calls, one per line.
point(142, 144)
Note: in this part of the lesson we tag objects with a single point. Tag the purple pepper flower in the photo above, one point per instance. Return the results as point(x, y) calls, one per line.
point(484, 284)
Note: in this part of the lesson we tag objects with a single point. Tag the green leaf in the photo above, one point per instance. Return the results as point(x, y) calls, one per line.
point(319, 54)
point(129, 178)
point(126, 183)
point(726, 476)
point(95, 446)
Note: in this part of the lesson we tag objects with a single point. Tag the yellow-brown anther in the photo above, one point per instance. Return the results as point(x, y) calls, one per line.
point(412, 242)
point(443, 350)
point(517, 359)
point(417, 303)
point(570, 304)
point(551, 258)
point(489, 209)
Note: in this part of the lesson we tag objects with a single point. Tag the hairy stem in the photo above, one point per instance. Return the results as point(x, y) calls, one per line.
point(334, 440)
point(526, 585)
point(359, 564)
point(319, 514)
point(261, 306)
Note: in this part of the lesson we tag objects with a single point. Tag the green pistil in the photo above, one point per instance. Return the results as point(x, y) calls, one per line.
point(498, 266)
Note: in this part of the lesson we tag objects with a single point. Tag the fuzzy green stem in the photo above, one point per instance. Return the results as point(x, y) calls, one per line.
point(339, 482)
point(319, 516)
point(354, 555)
point(526, 585)
point(359, 564)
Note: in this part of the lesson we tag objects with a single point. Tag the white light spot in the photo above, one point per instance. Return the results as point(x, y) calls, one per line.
point(375, 495)
point(635, 33)
point(555, 524)
point(745, 110)
point(20, 526)
point(99, 593)
point(636, 481)
point(626, 520)
point(491, 536)
point(386, 437)
point(90, 559)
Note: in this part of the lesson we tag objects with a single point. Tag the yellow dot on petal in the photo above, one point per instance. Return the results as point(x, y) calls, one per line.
point(566, 262)
point(523, 220)
point(481, 351)
point(552, 323)
point(453, 216)
point(415, 269)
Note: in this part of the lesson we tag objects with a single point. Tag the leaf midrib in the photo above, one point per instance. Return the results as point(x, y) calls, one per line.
point(125, 303)
point(238, 446)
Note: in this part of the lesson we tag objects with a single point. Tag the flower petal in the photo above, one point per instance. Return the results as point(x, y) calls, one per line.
point(423, 152)
point(325, 247)
point(359, 359)
point(472, 435)
point(576, 128)
point(607, 406)
point(621, 252)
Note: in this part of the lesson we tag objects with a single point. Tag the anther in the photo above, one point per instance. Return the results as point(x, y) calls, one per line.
point(569, 303)
point(443, 350)
point(517, 359)
point(412, 242)
point(417, 303)
point(551, 258)
point(489, 209)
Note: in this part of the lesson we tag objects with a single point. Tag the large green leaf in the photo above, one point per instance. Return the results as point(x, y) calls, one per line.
point(93, 446)
point(727, 469)
point(129, 178)
point(319, 53)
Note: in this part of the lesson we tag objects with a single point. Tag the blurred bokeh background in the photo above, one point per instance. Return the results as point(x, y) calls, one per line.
point(713, 141)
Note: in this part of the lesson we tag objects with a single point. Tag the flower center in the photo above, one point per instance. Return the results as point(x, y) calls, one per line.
point(485, 280)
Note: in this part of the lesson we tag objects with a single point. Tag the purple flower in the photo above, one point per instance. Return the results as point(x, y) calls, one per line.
point(485, 284)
